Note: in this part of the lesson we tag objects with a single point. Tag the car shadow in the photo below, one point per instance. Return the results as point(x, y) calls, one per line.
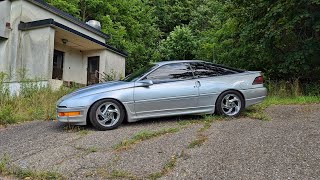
point(162, 120)
point(71, 128)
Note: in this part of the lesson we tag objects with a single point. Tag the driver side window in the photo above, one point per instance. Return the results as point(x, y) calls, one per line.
point(171, 72)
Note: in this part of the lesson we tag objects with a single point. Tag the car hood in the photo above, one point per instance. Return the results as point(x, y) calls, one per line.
point(96, 89)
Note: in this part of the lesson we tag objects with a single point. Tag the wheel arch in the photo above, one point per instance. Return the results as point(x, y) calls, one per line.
point(126, 112)
point(244, 99)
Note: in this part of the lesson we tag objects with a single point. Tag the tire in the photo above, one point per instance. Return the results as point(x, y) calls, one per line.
point(230, 103)
point(106, 114)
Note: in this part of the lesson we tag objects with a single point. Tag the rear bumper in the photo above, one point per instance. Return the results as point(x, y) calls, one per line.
point(77, 120)
point(254, 96)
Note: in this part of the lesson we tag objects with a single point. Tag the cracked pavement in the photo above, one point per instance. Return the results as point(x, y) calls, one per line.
point(287, 147)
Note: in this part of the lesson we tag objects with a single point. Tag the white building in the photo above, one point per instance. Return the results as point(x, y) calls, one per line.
point(52, 46)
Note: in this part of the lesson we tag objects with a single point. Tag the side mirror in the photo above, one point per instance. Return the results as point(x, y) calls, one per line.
point(144, 83)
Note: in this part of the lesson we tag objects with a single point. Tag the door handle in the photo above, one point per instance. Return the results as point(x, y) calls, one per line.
point(197, 84)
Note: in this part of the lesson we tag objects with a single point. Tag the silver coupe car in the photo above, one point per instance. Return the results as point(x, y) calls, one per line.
point(164, 89)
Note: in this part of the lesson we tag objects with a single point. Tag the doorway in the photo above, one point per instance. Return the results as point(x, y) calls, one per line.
point(57, 71)
point(93, 70)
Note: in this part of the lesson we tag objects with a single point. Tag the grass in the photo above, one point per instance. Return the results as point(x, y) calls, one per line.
point(76, 129)
point(141, 136)
point(168, 166)
point(34, 103)
point(198, 141)
point(257, 111)
point(116, 174)
point(90, 149)
point(9, 170)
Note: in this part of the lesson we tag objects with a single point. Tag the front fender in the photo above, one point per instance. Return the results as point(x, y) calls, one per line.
point(123, 95)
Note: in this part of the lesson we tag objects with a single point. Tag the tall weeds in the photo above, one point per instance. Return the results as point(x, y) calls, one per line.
point(293, 88)
point(34, 102)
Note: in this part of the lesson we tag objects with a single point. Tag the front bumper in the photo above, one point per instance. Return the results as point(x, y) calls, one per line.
point(77, 120)
point(254, 96)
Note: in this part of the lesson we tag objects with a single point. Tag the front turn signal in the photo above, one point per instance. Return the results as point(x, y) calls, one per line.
point(73, 113)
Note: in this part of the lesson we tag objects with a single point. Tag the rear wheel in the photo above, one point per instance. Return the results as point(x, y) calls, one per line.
point(230, 103)
point(106, 114)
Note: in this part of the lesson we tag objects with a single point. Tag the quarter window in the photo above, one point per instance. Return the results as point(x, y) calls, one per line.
point(171, 72)
point(202, 69)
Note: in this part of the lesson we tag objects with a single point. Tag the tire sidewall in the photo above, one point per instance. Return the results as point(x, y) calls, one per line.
point(219, 101)
point(93, 110)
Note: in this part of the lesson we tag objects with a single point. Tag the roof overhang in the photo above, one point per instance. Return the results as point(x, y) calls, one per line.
point(51, 23)
point(68, 17)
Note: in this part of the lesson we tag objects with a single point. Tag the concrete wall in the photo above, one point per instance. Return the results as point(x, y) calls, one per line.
point(9, 62)
point(15, 87)
point(5, 7)
point(116, 63)
point(74, 68)
point(4, 60)
point(36, 52)
point(109, 62)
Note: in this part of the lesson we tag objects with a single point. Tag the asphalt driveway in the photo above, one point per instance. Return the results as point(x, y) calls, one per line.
point(287, 147)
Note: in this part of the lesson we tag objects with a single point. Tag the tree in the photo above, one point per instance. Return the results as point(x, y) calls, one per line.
point(280, 38)
point(179, 45)
point(69, 6)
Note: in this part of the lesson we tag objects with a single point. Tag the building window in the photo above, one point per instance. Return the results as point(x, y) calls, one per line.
point(57, 71)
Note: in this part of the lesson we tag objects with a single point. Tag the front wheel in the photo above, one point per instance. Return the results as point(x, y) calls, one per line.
point(230, 103)
point(106, 114)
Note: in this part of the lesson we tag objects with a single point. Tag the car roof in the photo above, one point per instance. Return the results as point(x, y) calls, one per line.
point(177, 61)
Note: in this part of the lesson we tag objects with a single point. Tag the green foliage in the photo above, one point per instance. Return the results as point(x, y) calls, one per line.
point(70, 6)
point(178, 45)
point(280, 38)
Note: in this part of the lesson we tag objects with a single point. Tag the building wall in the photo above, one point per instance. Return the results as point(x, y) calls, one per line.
point(4, 18)
point(11, 63)
point(74, 68)
point(4, 60)
point(115, 63)
point(100, 53)
point(36, 51)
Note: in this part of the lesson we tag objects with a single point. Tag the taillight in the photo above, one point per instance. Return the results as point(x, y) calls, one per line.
point(258, 80)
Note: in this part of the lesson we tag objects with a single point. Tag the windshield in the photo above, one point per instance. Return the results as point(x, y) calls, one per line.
point(139, 73)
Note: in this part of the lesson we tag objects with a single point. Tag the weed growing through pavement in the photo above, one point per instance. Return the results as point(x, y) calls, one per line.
point(116, 174)
point(168, 166)
point(76, 129)
point(141, 136)
point(7, 169)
